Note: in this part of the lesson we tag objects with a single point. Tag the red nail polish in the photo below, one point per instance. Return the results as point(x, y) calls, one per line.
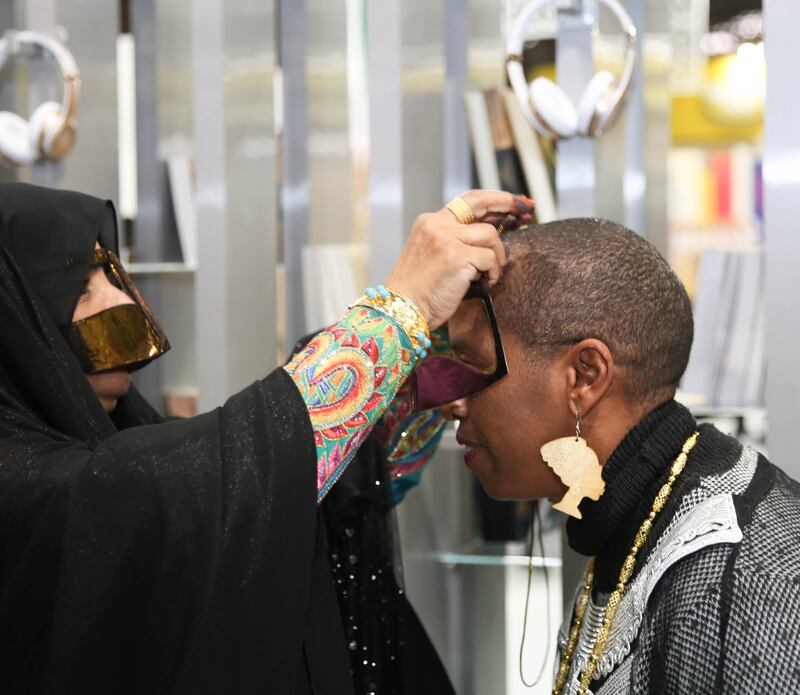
point(523, 204)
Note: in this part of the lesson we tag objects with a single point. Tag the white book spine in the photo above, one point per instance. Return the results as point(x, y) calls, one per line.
point(181, 186)
point(482, 145)
point(126, 127)
point(532, 160)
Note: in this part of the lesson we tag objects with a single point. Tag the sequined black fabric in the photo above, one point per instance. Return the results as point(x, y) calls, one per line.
point(390, 652)
point(389, 649)
point(138, 556)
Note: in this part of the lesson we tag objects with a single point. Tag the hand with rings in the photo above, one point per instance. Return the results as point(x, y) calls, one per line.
point(450, 248)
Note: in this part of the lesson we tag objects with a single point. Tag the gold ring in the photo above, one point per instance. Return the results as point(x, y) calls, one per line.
point(461, 209)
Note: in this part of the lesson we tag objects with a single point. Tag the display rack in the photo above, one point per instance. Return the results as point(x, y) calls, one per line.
point(492, 555)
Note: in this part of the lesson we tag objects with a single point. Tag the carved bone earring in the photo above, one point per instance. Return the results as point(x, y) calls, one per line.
point(578, 467)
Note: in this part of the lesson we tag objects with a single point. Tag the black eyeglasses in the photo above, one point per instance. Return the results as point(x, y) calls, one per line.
point(440, 379)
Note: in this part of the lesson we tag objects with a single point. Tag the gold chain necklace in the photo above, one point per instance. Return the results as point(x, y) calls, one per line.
point(625, 574)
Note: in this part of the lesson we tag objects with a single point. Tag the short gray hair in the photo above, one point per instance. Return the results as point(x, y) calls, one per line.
point(591, 278)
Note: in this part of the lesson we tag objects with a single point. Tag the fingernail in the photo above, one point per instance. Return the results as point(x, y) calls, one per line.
point(507, 248)
point(522, 205)
point(526, 218)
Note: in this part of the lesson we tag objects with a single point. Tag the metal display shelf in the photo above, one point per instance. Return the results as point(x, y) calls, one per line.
point(158, 268)
point(489, 555)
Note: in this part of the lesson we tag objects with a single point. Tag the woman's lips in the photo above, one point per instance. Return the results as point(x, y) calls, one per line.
point(471, 454)
point(472, 451)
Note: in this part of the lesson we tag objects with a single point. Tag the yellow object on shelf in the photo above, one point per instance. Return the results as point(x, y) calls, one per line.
point(731, 108)
point(691, 125)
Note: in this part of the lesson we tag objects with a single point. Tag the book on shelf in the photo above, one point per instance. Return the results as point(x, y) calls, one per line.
point(727, 364)
point(181, 402)
point(736, 363)
point(480, 132)
point(326, 295)
point(755, 384)
point(506, 150)
point(532, 159)
point(713, 188)
point(699, 380)
point(509, 167)
point(180, 176)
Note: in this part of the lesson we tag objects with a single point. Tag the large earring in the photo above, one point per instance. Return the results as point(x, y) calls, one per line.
point(576, 464)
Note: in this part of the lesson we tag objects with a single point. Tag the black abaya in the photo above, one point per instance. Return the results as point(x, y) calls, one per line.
point(182, 557)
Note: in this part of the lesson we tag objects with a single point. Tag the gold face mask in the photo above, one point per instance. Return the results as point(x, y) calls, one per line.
point(126, 336)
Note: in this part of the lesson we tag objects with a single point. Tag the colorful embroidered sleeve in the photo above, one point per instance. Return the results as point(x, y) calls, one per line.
point(348, 375)
point(409, 440)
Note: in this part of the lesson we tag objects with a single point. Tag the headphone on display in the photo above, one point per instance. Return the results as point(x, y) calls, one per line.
point(50, 131)
point(547, 107)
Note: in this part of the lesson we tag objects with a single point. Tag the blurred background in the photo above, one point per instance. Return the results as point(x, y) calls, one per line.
point(269, 158)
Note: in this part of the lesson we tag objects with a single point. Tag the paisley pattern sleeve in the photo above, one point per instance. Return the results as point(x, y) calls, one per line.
point(409, 440)
point(348, 375)
point(412, 443)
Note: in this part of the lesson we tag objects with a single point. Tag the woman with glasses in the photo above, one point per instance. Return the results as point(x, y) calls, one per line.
point(692, 583)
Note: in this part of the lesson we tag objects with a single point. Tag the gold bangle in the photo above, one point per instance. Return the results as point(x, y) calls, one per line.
point(461, 209)
point(404, 312)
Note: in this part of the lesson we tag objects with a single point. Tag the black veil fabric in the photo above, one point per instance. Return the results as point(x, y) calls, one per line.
point(51, 235)
point(46, 241)
point(139, 556)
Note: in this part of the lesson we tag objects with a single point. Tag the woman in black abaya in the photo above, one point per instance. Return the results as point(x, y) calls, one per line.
point(144, 556)
point(163, 558)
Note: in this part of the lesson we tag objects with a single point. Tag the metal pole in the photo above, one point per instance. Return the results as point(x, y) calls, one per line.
point(235, 282)
point(295, 188)
point(575, 177)
point(386, 233)
point(40, 15)
point(150, 243)
point(456, 137)
point(456, 181)
point(634, 182)
point(782, 210)
point(8, 97)
point(208, 31)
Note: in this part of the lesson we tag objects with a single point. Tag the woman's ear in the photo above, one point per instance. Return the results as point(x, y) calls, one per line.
point(590, 370)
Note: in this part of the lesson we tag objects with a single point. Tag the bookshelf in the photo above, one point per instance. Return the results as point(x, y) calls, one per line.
point(159, 268)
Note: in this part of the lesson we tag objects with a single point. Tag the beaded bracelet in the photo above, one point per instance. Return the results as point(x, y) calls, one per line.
point(404, 312)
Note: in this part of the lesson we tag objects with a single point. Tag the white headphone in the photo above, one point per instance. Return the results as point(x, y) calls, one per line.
point(50, 131)
point(547, 107)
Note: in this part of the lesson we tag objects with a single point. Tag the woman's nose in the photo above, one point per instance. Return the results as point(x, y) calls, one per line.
point(457, 410)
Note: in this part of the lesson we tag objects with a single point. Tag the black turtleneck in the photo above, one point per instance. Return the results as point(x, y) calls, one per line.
point(634, 473)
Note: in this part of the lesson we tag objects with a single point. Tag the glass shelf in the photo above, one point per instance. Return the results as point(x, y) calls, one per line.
point(489, 555)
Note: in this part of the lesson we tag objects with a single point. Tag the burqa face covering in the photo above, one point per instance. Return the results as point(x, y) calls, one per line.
point(126, 336)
